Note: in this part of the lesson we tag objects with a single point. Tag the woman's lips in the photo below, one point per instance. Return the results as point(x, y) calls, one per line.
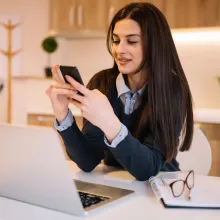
point(123, 61)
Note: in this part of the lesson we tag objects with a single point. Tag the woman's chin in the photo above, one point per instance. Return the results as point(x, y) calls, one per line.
point(124, 70)
point(127, 71)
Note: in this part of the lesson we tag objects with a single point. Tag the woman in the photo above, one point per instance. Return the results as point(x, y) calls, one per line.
point(134, 112)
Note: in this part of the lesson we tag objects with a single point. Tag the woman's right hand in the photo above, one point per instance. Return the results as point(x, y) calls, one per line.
point(59, 94)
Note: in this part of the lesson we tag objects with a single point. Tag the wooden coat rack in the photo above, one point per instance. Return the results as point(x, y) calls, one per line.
point(9, 54)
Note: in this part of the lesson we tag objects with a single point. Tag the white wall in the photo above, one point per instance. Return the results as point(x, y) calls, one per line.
point(89, 55)
point(200, 56)
point(34, 15)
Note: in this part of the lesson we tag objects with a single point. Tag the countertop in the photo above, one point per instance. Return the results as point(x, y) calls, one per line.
point(207, 115)
point(202, 115)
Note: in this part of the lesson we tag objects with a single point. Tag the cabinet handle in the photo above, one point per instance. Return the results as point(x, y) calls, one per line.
point(71, 16)
point(111, 14)
point(44, 118)
point(80, 15)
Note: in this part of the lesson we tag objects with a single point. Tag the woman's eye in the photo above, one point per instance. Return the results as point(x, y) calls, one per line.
point(132, 42)
point(115, 41)
point(129, 42)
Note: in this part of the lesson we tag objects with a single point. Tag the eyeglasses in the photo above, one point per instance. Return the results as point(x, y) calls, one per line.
point(178, 186)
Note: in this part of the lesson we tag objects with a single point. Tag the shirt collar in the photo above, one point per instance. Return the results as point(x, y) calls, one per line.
point(122, 88)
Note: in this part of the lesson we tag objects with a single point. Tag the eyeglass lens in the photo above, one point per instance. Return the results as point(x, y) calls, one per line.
point(178, 187)
point(190, 180)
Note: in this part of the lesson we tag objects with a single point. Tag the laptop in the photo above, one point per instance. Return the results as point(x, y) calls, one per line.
point(34, 170)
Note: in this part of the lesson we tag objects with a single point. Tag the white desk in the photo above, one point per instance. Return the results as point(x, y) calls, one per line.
point(142, 205)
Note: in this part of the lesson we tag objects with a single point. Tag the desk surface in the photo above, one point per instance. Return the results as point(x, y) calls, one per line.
point(141, 205)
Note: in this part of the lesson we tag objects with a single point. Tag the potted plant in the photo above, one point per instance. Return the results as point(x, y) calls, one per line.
point(1, 86)
point(218, 77)
point(49, 45)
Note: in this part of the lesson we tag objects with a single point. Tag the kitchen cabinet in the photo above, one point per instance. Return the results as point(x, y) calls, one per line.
point(192, 13)
point(92, 17)
point(180, 13)
point(113, 6)
point(40, 120)
point(77, 17)
point(93, 14)
point(48, 120)
point(211, 131)
point(62, 15)
point(158, 3)
point(189, 13)
point(209, 12)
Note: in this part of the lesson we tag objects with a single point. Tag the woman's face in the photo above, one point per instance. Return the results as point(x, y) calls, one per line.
point(127, 46)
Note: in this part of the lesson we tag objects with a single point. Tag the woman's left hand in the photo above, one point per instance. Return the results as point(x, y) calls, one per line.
point(95, 107)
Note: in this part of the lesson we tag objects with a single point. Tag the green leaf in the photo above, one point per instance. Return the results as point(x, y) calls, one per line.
point(49, 44)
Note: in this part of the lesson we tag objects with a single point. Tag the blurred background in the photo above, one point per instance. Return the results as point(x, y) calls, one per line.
point(79, 29)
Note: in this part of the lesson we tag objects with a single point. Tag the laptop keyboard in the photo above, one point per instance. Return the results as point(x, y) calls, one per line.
point(90, 199)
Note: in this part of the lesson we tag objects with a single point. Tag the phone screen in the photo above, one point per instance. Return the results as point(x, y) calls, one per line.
point(71, 71)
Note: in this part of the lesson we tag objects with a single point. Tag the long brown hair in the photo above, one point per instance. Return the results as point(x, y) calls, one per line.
point(168, 109)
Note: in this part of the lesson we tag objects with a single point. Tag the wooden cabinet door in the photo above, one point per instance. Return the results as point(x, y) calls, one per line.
point(91, 15)
point(196, 13)
point(72, 15)
point(209, 12)
point(63, 15)
point(41, 120)
point(113, 7)
point(218, 7)
point(78, 15)
point(192, 13)
point(168, 8)
point(158, 3)
point(48, 120)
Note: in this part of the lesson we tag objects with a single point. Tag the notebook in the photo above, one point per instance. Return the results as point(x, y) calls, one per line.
point(205, 193)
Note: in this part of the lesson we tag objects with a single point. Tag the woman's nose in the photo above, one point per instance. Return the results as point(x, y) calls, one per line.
point(121, 48)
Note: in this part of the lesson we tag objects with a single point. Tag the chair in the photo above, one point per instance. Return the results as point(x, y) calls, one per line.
point(199, 156)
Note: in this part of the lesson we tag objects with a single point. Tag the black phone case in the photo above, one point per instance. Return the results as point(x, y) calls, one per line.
point(71, 71)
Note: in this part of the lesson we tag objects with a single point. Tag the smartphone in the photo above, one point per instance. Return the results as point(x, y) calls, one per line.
point(71, 71)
